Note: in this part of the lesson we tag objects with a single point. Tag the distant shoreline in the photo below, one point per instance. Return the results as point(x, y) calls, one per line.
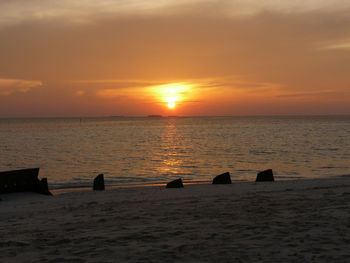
point(178, 116)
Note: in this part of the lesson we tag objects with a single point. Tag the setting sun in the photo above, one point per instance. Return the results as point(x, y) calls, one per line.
point(171, 102)
point(171, 105)
point(172, 93)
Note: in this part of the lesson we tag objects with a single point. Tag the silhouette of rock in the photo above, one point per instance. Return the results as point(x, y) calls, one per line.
point(175, 184)
point(45, 186)
point(265, 176)
point(99, 183)
point(25, 180)
point(224, 178)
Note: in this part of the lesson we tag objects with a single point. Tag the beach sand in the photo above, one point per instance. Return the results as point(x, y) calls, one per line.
point(283, 221)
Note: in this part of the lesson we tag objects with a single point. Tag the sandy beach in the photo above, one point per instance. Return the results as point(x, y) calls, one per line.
point(283, 221)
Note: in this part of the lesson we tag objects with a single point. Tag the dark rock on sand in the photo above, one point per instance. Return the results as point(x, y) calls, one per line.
point(44, 186)
point(25, 180)
point(175, 184)
point(99, 183)
point(224, 178)
point(265, 176)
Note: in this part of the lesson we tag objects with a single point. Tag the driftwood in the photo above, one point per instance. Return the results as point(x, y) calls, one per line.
point(25, 180)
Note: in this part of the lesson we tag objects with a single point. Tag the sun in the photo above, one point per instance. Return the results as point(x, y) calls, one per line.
point(171, 95)
point(171, 101)
point(171, 105)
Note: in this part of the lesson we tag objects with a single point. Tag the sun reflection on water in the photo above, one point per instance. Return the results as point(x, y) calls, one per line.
point(171, 142)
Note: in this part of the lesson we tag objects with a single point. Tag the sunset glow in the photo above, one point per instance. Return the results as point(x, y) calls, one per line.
point(152, 106)
point(135, 58)
point(171, 105)
point(173, 93)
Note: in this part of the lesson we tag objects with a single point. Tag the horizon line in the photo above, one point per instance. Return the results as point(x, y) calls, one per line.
point(174, 116)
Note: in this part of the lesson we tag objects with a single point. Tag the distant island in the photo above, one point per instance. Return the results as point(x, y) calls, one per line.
point(155, 116)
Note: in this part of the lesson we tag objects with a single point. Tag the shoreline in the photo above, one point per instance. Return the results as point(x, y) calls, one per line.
point(68, 189)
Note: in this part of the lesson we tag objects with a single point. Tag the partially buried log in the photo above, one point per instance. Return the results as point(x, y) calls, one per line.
point(265, 176)
point(175, 184)
point(24, 180)
point(99, 183)
point(224, 178)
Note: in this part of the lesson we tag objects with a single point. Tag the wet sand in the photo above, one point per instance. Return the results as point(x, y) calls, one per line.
point(286, 221)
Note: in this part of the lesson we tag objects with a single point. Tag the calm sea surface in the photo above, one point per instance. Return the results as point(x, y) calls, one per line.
point(71, 152)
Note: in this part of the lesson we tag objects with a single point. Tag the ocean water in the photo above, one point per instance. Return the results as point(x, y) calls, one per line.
point(71, 152)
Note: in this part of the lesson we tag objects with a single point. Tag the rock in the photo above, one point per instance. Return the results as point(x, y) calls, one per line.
point(99, 183)
point(265, 176)
point(175, 184)
point(44, 186)
point(24, 180)
point(224, 178)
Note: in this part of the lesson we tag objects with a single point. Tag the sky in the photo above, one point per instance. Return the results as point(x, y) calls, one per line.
point(65, 58)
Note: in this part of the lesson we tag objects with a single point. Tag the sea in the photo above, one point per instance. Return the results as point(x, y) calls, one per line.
point(70, 152)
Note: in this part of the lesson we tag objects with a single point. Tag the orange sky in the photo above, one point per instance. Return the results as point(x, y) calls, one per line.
point(237, 57)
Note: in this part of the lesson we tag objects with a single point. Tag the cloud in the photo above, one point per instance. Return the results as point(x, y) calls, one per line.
point(336, 45)
point(307, 94)
point(238, 82)
point(87, 11)
point(116, 83)
point(75, 11)
point(188, 92)
point(189, 45)
point(109, 94)
point(80, 92)
point(241, 49)
point(9, 86)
